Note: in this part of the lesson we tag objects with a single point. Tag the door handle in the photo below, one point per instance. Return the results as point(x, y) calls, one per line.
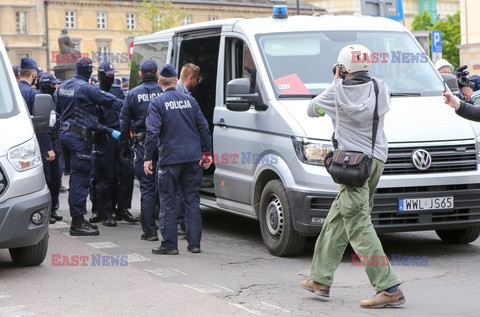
point(221, 123)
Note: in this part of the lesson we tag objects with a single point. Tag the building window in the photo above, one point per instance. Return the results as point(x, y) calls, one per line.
point(21, 19)
point(131, 21)
point(187, 20)
point(103, 52)
point(101, 20)
point(212, 18)
point(159, 21)
point(70, 19)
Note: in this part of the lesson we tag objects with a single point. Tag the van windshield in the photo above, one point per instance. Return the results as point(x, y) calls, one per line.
point(301, 64)
point(7, 107)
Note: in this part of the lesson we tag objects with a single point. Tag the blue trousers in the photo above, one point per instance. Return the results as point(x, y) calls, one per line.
point(80, 169)
point(188, 177)
point(148, 191)
point(51, 169)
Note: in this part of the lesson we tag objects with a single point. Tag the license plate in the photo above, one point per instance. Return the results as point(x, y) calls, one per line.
point(408, 204)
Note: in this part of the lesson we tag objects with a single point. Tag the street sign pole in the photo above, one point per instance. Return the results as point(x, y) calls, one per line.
point(436, 45)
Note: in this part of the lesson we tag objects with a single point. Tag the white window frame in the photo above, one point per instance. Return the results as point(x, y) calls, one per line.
point(104, 50)
point(131, 21)
point(102, 20)
point(70, 19)
point(21, 22)
point(187, 20)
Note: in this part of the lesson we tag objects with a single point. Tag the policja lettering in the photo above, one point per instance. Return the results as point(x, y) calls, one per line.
point(66, 92)
point(147, 97)
point(177, 104)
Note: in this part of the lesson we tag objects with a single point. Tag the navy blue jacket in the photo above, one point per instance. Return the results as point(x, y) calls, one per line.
point(111, 117)
point(135, 106)
point(29, 93)
point(175, 120)
point(76, 92)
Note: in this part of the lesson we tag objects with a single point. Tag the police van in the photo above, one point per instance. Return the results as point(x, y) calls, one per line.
point(24, 197)
point(259, 76)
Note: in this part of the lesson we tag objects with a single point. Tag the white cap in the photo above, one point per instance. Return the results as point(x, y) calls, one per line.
point(443, 63)
point(353, 58)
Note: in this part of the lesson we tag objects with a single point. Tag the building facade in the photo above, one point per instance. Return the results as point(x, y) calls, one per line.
point(439, 9)
point(470, 35)
point(31, 28)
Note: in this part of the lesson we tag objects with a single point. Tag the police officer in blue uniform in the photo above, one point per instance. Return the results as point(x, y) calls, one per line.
point(77, 103)
point(113, 176)
point(48, 84)
point(135, 109)
point(28, 75)
point(176, 124)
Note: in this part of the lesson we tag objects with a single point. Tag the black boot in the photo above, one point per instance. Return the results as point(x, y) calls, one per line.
point(95, 218)
point(55, 216)
point(124, 214)
point(81, 227)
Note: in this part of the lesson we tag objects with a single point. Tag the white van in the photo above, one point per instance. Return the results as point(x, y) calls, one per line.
point(24, 197)
point(258, 78)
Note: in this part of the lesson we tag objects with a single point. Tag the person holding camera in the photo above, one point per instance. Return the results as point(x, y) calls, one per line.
point(351, 103)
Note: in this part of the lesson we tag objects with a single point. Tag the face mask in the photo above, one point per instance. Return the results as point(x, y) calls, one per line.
point(106, 82)
point(47, 89)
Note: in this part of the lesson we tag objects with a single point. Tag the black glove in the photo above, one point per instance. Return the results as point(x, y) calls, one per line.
point(125, 151)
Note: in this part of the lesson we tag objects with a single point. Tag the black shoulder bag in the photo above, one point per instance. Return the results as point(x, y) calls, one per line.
point(349, 167)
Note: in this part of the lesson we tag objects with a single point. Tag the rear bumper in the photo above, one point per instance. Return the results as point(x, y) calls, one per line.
point(312, 208)
point(16, 227)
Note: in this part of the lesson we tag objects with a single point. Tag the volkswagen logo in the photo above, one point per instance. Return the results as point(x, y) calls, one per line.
point(421, 159)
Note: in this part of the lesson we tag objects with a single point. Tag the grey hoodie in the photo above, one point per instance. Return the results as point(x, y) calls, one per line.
point(356, 104)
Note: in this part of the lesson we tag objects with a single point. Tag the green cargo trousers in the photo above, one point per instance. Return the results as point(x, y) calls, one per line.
point(349, 221)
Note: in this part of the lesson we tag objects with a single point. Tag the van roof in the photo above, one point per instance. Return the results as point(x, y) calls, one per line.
point(254, 26)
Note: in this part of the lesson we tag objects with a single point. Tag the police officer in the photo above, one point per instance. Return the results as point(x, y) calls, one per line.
point(135, 109)
point(28, 74)
point(48, 84)
point(76, 103)
point(189, 79)
point(176, 123)
point(113, 176)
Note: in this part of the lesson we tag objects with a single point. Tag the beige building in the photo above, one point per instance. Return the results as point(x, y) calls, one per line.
point(410, 8)
point(32, 27)
point(470, 32)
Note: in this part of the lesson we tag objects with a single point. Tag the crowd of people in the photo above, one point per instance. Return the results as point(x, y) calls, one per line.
point(106, 135)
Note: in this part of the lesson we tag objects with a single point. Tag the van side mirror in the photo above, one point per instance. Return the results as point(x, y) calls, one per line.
point(451, 82)
point(239, 97)
point(42, 107)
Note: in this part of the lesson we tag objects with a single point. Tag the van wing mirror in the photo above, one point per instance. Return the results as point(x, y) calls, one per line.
point(42, 107)
point(239, 97)
point(451, 82)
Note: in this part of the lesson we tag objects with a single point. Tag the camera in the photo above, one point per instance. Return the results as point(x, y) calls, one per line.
point(462, 77)
point(342, 74)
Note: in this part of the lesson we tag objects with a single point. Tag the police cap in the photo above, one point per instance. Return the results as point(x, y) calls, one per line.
point(28, 63)
point(168, 71)
point(125, 79)
point(107, 68)
point(15, 70)
point(84, 62)
point(148, 66)
point(48, 78)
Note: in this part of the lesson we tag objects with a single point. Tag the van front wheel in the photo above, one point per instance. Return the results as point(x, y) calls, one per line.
point(30, 255)
point(460, 236)
point(276, 223)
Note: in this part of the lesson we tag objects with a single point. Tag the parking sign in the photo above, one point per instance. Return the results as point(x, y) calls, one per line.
point(436, 41)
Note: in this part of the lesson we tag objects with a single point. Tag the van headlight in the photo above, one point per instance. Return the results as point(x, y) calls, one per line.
point(25, 156)
point(311, 151)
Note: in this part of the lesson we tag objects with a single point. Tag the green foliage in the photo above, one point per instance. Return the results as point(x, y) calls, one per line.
point(450, 28)
point(422, 21)
point(451, 37)
point(154, 16)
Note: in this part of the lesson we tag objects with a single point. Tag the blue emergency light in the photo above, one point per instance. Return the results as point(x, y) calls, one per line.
point(280, 12)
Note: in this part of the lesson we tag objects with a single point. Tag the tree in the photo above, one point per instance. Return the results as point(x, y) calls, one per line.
point(422, 21)
point(450, 28)
point(156, 15)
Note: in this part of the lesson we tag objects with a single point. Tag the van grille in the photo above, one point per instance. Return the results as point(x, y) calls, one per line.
point(445, 159)
point(3, 181)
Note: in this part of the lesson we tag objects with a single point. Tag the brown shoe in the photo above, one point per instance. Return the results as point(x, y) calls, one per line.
point(319, 289)
point(384, 299)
